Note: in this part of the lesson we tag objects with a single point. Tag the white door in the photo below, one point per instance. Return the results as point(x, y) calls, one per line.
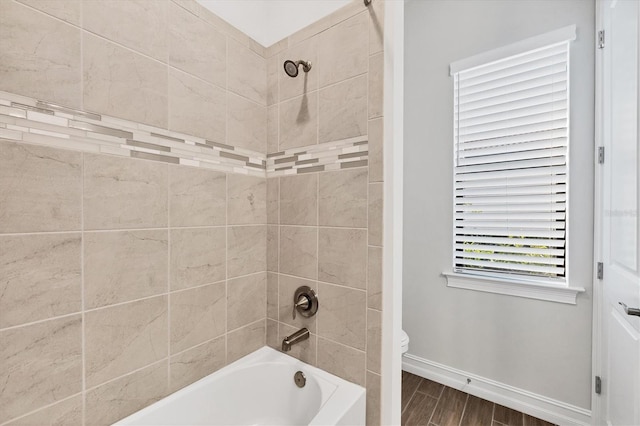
point(618, 210)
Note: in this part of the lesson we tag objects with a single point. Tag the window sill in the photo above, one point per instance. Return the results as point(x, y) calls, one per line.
point(527, 289)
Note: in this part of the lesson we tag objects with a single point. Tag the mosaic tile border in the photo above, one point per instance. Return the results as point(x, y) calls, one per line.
point(27, 120)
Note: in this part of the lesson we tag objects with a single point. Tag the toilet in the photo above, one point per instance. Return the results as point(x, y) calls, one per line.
point(404, 342)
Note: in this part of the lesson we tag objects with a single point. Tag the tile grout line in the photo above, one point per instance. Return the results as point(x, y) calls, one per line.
point(437, 403)
point(169, 232)
point(412, 396)
point(464, 408)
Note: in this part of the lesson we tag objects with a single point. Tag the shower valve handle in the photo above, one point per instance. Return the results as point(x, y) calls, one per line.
point(302, 303)
point(305, 302)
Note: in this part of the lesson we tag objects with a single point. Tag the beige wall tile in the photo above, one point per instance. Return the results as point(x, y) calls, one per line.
point(342, 257)
point(196, 47)
point(197, 197)
point(337, 64)
point(376, 27)
point(247, 199)
point(67, 10)
point(273, 205)
point(299, 251)
point(197, 256)
point(373, 399)
point(124, 193)
point(126, 395)
point(122, 338)
point(197, 315)
point(121, 83)
point(344, 317)
point(196, 363)
point(41, 277)
point(195, 107)
point(247, 73)
point(41, 188)
point(246, 124)
point(272, 295)
point(298, 121)
point(246, 300)
point(39, 365)
point(305, 351)
point(63, 413)
point(299, 199)
point(287, 289)
point(272, 334)
point(374, 340)
point(375, 214)
point(343, 110)
point(246, 250)
point(272, 128)
point(245, 340)
point(343, 198)
point(138, 24)
point(342, 361)
point(376, 171)
point(376, 85)
point(273, 248)
point(39, 55)
point(305, 82)
point(124, 265)
point(274, 68)
point(374, 278)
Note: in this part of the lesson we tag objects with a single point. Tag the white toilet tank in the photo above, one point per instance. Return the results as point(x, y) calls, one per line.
point(404, 342)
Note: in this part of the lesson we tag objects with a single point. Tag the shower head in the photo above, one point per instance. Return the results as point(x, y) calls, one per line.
point(291, 67)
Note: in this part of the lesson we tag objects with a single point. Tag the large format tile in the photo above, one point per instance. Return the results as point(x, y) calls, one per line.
point(373, 399)
point(273, 202)
point(246, 250)
point(342, 198)
point(342, 110)
point(247, 199)
point(246, 300)
point(67, 10)
point(122, 338)
point(350, 59)
point(196, 363)
point(272, 248)
point(272, 128)
point(374, 340)
point(375, 214)
point(376, 85)
point(126, 395)
point(286, 291)
point(197, 315)
point(124, 265)
point(305, 82)
point(376, 27)
point(64, 413)
point(195, 107)
point(197, 197)
point(376, 137)
point(39, 55)
point(40, 188)
point(374, 278)
point(274, 68)
point(299, 199)
point(39, 365)
point(245, 340)
point(272, 295)
point(41, 277)
point(124, 193)
point(247, 73)
point(344, 315)
point(272, 334)
point(138, 24)
point(246, 124)
point(299, 251)
point(298, 121)
point(342, 361)
point(197, 256)
point(123, 83)
point(342, 257)
point(196, 47)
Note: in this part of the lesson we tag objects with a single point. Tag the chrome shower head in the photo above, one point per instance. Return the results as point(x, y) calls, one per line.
point(291, 67)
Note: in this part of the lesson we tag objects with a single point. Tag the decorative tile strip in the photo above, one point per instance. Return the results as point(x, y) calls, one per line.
point(27, 120)
point(328, 156)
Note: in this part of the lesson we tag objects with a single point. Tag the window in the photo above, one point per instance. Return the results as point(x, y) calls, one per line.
point(511, 140)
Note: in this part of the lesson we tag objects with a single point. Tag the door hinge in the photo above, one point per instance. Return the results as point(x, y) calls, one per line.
point(601, 155)
point(601, 39)
point(600, 270)
point(598, 385)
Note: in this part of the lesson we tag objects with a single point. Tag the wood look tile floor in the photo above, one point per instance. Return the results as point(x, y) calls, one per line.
point(427, 403)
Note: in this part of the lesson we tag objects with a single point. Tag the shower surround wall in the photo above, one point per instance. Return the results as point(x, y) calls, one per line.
point(128, 254)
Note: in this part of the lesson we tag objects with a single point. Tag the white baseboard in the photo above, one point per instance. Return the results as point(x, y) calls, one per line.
point(527, 402)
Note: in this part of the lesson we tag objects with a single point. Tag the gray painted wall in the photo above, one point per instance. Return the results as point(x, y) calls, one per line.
point(542, 347)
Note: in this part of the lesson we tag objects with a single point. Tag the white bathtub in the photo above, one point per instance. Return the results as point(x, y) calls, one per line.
point(259, 390)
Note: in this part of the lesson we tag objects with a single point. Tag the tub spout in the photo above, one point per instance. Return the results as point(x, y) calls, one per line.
point(297, 337)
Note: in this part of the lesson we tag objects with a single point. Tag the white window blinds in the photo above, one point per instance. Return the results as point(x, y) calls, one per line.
point(511, 133)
